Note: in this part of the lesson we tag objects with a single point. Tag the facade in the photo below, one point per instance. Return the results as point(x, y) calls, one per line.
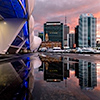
point(40, 34)
point(87, 30)
point(53, 31)
point(49, 44)
point(76, 35)
point(17, 26)
point(66, 31)
point(98, 44)
point(71, 40)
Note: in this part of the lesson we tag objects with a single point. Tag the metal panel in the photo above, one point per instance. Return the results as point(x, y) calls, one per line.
point(9, 29)
point(12, 9)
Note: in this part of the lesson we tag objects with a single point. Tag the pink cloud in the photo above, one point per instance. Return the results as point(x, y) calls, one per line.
point(55, 10)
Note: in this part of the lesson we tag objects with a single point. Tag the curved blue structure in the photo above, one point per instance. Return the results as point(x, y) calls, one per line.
point(16, 29)
point(13, 8)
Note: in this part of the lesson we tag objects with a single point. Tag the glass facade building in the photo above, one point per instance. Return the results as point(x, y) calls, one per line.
point(66, 31)
point(76, 35)
point(87, 31)
point(71, 40)
point(54, 31)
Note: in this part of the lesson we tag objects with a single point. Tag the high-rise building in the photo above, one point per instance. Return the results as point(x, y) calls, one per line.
point(53, 31)
point(76, 35)
point(66, 31)
point(87, 30)
point(71, 40)
point(40, 34)
point(17, 26)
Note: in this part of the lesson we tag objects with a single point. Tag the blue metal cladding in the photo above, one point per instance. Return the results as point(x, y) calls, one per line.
point(27, 44)
point(26, 35)
point(23, 2)
point(12, 9)
point(28, 62)
point(6, 9)
point(23, 34)
point(16, 42)
point(16, 9)
point(25, 30)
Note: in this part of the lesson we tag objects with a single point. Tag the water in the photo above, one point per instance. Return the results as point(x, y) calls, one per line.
point(49, 77)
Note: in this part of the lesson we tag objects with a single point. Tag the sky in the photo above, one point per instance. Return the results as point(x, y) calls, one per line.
point(56, 10)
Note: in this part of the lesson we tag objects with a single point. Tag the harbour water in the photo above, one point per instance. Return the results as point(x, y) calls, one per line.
point(49, 77)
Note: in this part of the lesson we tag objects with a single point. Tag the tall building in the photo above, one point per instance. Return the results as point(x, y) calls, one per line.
point(40, 34)
point(76, 35)
point(66, 31)
point(71, 40)
point(53, 31)
point(87, 30)
point(17, 26)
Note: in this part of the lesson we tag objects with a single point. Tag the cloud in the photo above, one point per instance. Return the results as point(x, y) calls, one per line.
point(56, 10)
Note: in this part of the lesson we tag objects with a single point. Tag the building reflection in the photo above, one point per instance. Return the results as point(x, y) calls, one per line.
point(9, 81)
point(87, 75)
point(17, 78)
point(53, 71)
point(59, 70)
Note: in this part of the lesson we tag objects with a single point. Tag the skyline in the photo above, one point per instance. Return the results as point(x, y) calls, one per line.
point(56, 10)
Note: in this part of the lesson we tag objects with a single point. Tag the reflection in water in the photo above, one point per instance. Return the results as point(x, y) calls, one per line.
point(53, 71)
point(56, 70)
point(9, 81)
point(87, 75)
point(17, 78)
point(35, 61)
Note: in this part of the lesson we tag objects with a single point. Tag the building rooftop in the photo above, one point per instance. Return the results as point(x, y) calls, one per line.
point(53, 23)
point(86, 15)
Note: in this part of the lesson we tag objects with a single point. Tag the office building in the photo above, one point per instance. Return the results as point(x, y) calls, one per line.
point(53, 31)
point(71, 40)
point(66, 31)
point(76, 35)
point(49, 44)
point(87, 30)
point(17, 26)
point(40, 34)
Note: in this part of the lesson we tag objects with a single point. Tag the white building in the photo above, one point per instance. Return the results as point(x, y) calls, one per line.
point(87, 30)
point(17, 26)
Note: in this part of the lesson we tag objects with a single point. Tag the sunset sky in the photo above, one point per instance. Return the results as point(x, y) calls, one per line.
point(56, 10)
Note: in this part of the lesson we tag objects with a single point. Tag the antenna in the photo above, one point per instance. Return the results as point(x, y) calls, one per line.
point(65, 20)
